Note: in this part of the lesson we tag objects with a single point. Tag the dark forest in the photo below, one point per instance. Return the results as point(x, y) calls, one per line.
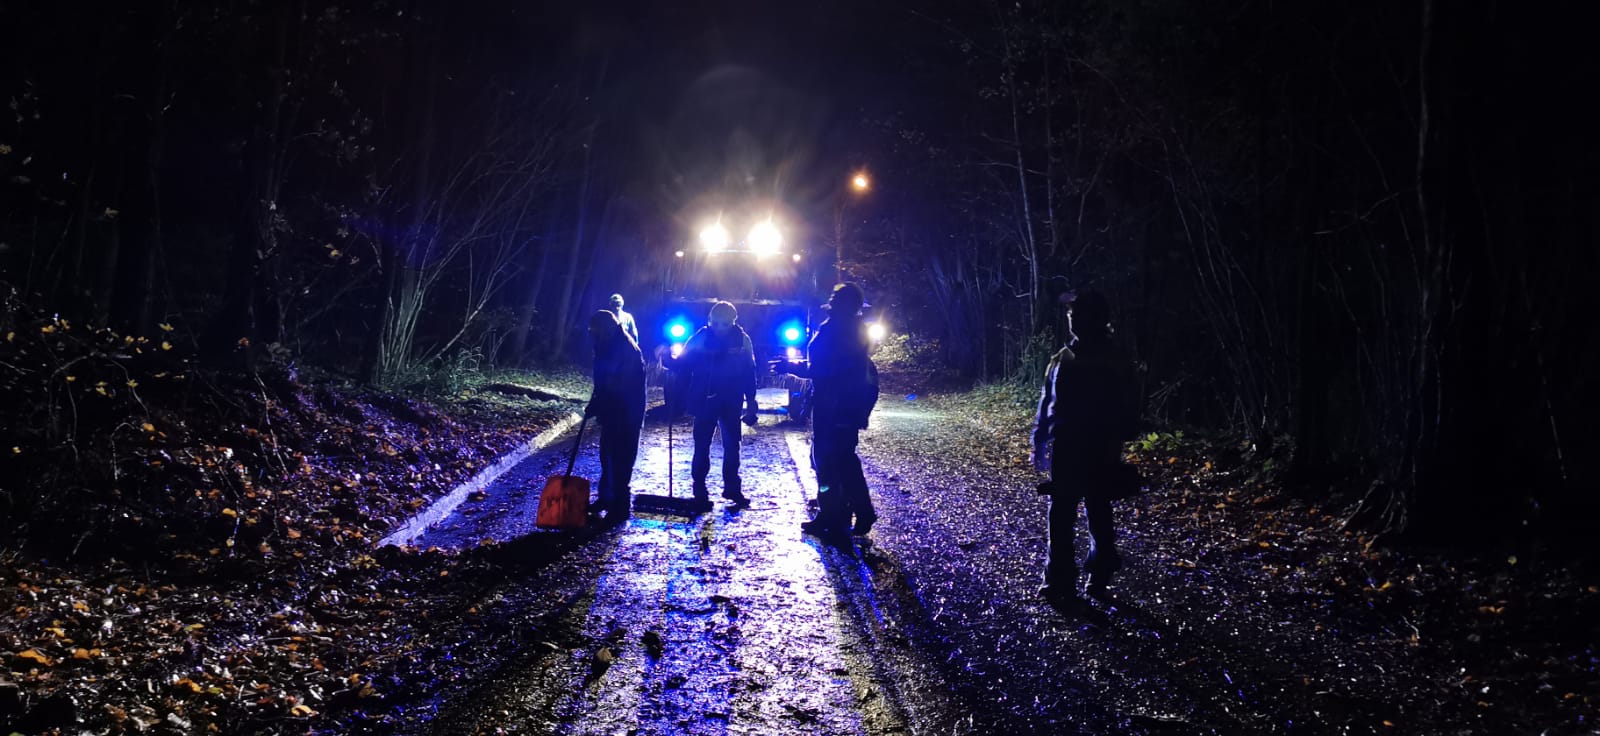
point(1354, 245)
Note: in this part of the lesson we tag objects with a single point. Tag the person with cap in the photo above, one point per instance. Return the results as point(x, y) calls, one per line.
point(624, 318)
point(844, 388)
point(1087, 408)
point(618, 403)
point(720, 363)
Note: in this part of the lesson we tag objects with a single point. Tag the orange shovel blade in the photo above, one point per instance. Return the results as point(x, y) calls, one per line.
point(564, 503)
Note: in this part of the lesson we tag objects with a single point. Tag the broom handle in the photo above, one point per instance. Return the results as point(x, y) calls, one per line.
point(576, 444)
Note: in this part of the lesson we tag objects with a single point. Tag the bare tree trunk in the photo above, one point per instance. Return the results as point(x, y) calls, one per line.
point(563, 324)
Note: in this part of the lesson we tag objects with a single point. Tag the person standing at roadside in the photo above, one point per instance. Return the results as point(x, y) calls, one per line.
point(844, 388)
point(618, 402)
point(721, 365)
point(624, 318)
point(1087, 408)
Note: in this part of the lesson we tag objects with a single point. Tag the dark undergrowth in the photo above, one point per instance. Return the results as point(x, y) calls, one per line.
point(192, 550)
point(1497, 636)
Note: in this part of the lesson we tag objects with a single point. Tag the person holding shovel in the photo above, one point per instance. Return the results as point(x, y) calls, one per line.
point(618, 402)
point(720, 362)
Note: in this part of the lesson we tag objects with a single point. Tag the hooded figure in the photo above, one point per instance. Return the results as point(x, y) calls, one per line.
point(1087, 408)
point(721, 365)
point(845, 387)
point(618, 402)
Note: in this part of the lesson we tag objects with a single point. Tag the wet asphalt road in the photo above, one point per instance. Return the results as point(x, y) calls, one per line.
point(735, 622)
point(729, 622)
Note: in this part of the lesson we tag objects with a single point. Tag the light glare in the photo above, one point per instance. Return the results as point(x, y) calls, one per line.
point(877, 331)
point(715, 237)
point(764, 239)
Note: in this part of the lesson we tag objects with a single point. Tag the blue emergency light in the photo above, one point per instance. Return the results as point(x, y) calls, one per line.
point(792, 333)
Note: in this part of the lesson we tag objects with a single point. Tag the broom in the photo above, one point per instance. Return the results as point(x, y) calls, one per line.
point(669, 504)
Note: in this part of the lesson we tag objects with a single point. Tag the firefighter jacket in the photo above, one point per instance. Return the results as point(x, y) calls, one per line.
point(1088, 406)
point(844, 379)
point(719, 367)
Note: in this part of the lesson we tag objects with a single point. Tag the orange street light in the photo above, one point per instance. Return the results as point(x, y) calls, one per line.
point(860, 182)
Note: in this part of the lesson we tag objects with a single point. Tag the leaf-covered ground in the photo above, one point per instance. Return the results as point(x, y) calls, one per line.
point(192, 551)
point(1242, 609)
point(189, 550)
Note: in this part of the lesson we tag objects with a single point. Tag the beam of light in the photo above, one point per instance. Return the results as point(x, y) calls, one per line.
point(877, 331)
point(765, 239)
point(715, 237)
point(792, 334)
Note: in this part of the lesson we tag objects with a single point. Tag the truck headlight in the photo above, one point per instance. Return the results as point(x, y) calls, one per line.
point(765, 239)
point(715, 238)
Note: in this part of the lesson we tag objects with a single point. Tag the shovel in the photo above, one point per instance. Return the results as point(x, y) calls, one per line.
point(656, 503)
point(565, 501)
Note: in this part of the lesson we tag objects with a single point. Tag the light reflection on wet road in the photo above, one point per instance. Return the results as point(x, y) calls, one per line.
point(731, 622)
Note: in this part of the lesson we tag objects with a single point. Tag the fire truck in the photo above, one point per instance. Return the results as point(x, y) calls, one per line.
point(746, 260)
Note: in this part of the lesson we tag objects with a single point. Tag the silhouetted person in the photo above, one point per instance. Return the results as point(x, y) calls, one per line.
point(844, 388)
point(720, 362)
point(618, 402)
point(1087, 409)
point(624, 318)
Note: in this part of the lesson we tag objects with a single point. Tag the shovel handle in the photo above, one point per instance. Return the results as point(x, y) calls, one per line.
point(573, 458)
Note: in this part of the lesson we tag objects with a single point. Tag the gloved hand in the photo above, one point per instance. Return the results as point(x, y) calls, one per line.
point(749, 417)
point(1040, 458)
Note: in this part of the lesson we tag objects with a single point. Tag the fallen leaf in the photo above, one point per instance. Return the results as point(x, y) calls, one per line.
point(37, 657)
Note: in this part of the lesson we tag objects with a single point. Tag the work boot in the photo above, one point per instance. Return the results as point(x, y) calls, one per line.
point(732, 493)
point(619, 509)
point(702, 497)
point(822, 529)
point(864, 523)
point(1096, 587)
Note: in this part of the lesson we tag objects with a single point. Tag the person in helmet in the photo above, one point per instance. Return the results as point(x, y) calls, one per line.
point(844, 388)
point(618, 402)
point(624, 318)
point(1087, 408)
point(720, 363)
